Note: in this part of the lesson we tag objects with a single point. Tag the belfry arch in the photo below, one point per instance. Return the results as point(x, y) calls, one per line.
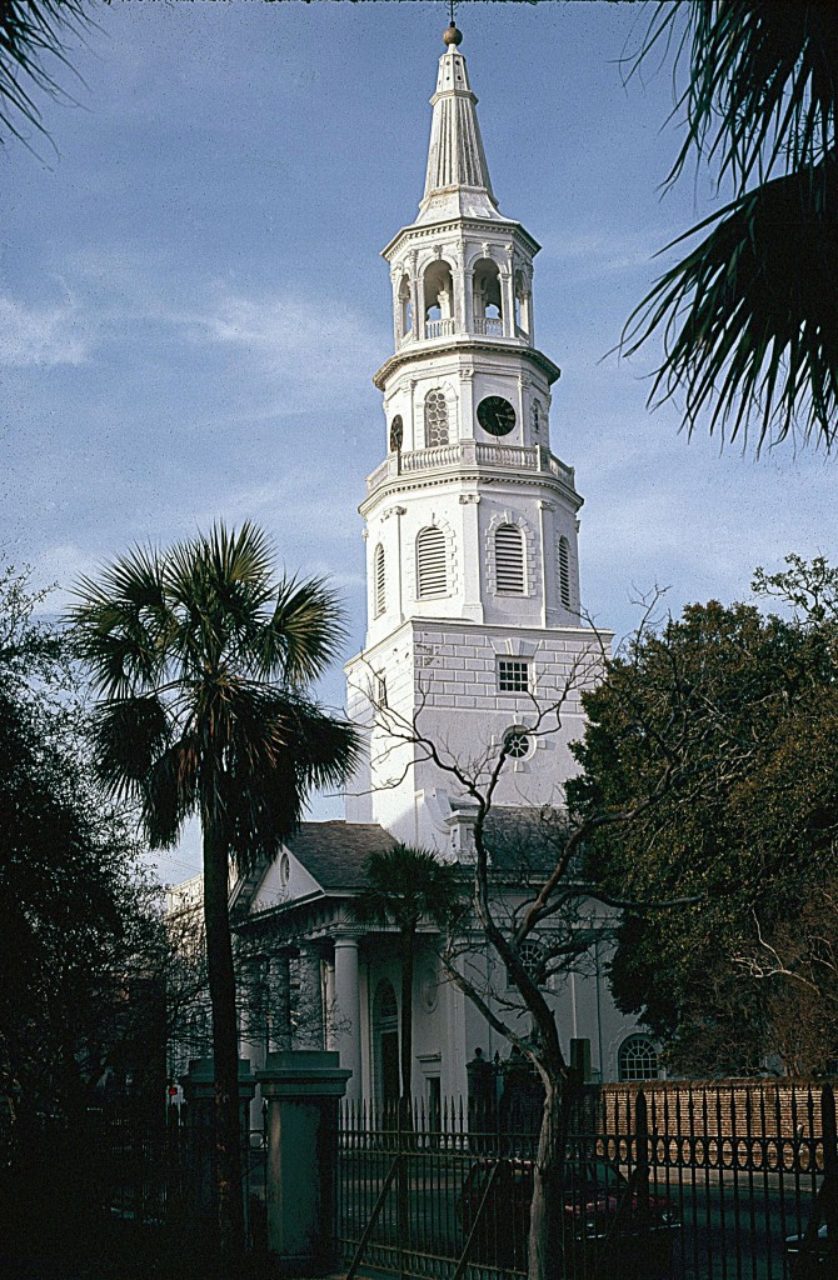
point(438, 288)
point(487, 298)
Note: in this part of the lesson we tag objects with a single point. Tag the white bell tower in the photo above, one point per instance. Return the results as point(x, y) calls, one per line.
point(470, 520)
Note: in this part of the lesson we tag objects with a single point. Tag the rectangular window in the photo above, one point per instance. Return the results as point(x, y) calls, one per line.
point(513, 675)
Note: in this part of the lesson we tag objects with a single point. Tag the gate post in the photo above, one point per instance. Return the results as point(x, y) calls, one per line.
point(199, 1127)
point(302, 1088)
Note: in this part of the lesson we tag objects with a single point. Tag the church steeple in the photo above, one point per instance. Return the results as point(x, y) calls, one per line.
point(457, 179)
point(470, 519)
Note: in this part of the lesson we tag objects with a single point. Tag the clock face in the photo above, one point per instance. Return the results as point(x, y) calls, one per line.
point(496, 416)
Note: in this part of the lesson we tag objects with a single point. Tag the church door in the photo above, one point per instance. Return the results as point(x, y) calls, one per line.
point(389, 1046)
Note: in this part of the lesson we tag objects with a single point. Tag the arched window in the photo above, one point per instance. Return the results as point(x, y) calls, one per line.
point(637, 1059)
point(431, 569)
point(436, 419)
point(535, 414)
point(379, 596)
point(564, 571)
point(509, 559)
point(534, 961)
point(396, 433)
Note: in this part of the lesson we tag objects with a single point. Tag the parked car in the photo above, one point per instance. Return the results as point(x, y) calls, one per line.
point(816, 1261)
point(606, 1234)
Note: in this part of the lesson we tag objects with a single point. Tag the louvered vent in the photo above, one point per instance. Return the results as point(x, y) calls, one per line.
point(564, 572)
point(379, 582)
point(431, 572)
point(509, 559)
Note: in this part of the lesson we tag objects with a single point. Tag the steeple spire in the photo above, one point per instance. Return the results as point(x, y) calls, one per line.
point(457, 180)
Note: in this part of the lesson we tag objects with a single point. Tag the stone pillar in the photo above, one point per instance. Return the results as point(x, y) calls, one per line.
point(347, 1016)
point(199, 1127)
point(303, 1089)
point(310, 1013)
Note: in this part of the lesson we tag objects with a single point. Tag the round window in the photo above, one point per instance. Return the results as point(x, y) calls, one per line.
point(496, 416)
point(517, 744)
point(284, 870)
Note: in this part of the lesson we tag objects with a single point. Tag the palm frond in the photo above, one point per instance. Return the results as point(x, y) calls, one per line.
point(278, 748)
point(750, 316)
point(121, 625)
point(761, 82)
point(306, 631)
point(129, 735)
point(31, 36)
point(171, 792)
point(405, 885)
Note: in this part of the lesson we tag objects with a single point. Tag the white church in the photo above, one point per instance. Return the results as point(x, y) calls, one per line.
point(474, 632)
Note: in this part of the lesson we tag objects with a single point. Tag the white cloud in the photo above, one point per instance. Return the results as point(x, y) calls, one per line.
point(43, 335)
point(59, 567)
point(289, 337)
point(598, 253)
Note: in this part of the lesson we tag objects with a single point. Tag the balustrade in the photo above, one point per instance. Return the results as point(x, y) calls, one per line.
point(490, 326)
point(438, 328)
point(469, 453)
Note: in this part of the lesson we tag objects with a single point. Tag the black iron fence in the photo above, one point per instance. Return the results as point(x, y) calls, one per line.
point(715, 1183)
point(165, 1174)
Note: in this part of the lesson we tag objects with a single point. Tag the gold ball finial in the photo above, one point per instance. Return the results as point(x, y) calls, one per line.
point(452, 35)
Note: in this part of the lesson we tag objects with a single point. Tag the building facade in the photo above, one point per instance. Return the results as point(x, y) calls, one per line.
point(474, 643)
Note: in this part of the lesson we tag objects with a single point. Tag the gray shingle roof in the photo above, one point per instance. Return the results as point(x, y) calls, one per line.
point(335, 852)
point(525, 840)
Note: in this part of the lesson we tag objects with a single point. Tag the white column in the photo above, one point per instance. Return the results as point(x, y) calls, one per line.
point(310, 1013)
point(508, 304)
point(347, 1015)
point(279, 1002)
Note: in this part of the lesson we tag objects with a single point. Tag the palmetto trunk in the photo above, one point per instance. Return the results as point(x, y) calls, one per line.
point(407, 939)
point(222, 988)
point(545, 1236)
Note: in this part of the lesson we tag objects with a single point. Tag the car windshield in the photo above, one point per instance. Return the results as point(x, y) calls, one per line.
point(597, 1175)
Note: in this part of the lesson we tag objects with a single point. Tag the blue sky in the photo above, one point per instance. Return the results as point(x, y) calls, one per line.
point(192, 302)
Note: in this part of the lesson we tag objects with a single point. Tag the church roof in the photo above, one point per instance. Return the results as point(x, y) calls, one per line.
point(334, 852)
point(525, 840)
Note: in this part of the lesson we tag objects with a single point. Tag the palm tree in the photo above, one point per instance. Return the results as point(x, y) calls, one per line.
point(748, 317)
point(203, 660)
point(403, 887)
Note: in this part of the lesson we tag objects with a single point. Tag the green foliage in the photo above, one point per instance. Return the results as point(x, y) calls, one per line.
point(742, 711)
point(749, 316)
point(80, 920)
point(405, 886)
